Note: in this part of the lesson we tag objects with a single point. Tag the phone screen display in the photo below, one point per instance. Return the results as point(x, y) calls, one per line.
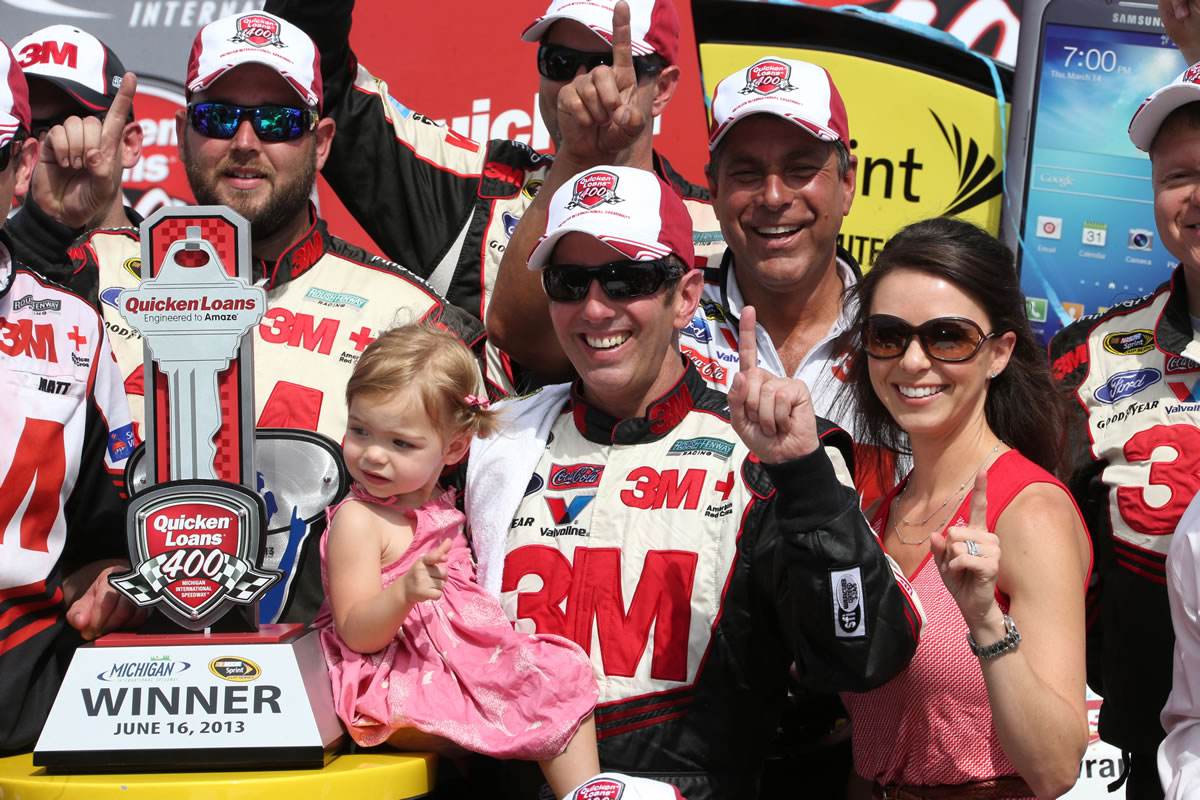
point(1089, 216)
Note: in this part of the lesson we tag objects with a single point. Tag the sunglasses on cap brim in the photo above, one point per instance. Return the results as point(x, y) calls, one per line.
point(620, 280)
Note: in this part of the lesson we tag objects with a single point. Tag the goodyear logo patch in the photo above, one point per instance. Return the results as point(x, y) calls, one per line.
point(1129, 343)
point(703, 445)
point(234, 668)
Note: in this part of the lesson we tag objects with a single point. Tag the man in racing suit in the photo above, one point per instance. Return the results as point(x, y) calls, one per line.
point(1133, 374)
point(446, 206)
point(701, 543)
point(64, 439)
point(326, 299)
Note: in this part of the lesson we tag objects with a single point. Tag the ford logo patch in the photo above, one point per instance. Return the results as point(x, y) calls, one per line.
point(1126, 384)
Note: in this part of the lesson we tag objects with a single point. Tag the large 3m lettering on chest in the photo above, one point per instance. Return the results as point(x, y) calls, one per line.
point(592, 589)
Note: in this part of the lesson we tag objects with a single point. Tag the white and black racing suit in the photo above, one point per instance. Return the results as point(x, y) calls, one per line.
point(694, 575)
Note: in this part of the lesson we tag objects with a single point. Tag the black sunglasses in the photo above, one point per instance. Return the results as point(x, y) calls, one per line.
point(559, 63)
point(949, 339)
point(270, 123)
point(13, 146)
point(620, 280)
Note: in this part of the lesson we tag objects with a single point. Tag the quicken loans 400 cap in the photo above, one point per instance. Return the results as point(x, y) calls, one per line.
point(629, 209)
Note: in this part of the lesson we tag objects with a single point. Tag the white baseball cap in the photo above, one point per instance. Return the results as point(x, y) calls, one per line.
point(1155, 108)
point(629, 209)
point(653, 24)
point(256, 38)
point(74, 61)
point(14, 97)
point(615, 786)
point(800, 92)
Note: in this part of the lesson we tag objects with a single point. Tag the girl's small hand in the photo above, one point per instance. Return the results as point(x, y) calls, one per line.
point(424, 580)
point(968, 558)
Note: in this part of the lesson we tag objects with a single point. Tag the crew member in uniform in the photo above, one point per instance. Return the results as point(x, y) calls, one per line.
point(1132, 374)
point(694, 544)
point(65, 436)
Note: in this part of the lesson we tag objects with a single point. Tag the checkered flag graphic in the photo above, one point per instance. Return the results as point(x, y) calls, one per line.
point(238, 577)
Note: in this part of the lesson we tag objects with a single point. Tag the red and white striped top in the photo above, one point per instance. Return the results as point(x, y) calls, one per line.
point(931, 725)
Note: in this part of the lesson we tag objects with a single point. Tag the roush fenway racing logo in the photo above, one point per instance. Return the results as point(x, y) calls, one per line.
point(594, 189)
point(258, 30)
point(192, 552)
point(768, 77)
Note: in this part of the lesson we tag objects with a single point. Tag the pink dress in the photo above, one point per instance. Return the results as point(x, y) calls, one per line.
point(456, 668)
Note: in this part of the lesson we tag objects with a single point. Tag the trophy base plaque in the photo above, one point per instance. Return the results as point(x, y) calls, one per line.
point(193, 701)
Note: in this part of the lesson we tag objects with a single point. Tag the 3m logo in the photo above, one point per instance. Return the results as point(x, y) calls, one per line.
point(61, 53)
point(565, 513)
point(1069, 361)
point(670, 411)
point(654, 489)
point(280, 326)
point(22, 337)
point(595, 601)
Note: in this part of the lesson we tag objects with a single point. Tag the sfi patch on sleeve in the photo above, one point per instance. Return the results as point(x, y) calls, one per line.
point(849, 619)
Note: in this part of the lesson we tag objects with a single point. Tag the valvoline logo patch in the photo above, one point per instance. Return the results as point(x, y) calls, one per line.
point(1127, 384)
point(121, 443)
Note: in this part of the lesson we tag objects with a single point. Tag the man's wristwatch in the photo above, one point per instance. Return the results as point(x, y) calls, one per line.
point(1009, 642)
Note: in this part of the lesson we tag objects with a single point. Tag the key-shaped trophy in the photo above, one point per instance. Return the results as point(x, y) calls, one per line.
point(223, 691)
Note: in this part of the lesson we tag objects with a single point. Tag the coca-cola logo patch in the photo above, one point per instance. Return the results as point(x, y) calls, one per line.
point(574, 476)
point(768, 77)
point(594, 189)
point(258, 30)
point(1192, 75)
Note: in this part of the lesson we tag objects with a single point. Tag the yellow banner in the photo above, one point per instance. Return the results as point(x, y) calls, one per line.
point(926, 146)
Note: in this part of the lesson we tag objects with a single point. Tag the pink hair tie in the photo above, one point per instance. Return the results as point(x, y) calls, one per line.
point(476, 402)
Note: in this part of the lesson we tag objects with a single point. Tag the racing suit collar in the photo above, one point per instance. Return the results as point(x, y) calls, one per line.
point(661, 416)
point(297, 259)
point(1173, 331)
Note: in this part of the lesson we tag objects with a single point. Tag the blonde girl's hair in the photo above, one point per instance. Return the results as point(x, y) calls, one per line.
point(433, 361)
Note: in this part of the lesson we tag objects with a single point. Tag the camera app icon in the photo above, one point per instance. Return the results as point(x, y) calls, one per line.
point(1140, 239)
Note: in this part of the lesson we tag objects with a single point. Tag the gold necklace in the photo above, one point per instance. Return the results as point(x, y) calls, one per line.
point(961, 488)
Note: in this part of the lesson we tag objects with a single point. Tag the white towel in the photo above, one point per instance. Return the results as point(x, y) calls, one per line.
point(498, 472)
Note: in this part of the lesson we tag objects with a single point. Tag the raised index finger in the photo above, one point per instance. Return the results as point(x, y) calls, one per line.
point(747, 341)
point(978, 517)
point(118, 114)
point(622, 45)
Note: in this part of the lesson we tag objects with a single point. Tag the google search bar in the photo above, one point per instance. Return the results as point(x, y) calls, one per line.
point(1091, 183)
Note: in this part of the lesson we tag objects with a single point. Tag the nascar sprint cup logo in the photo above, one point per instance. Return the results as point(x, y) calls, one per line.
point(595, 189)
point(768, 77)
point(258, 30)
point(195, 548)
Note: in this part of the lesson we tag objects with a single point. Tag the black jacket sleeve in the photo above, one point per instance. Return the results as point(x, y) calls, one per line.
point(411, 183)
point(848, 616)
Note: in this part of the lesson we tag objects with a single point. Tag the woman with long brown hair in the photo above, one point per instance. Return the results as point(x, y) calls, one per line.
point(992, 704)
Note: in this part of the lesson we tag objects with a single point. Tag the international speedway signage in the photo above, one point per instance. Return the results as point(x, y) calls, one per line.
point(195, 698)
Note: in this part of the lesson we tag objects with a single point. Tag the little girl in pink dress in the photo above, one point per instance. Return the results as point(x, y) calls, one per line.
point(412, 641)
